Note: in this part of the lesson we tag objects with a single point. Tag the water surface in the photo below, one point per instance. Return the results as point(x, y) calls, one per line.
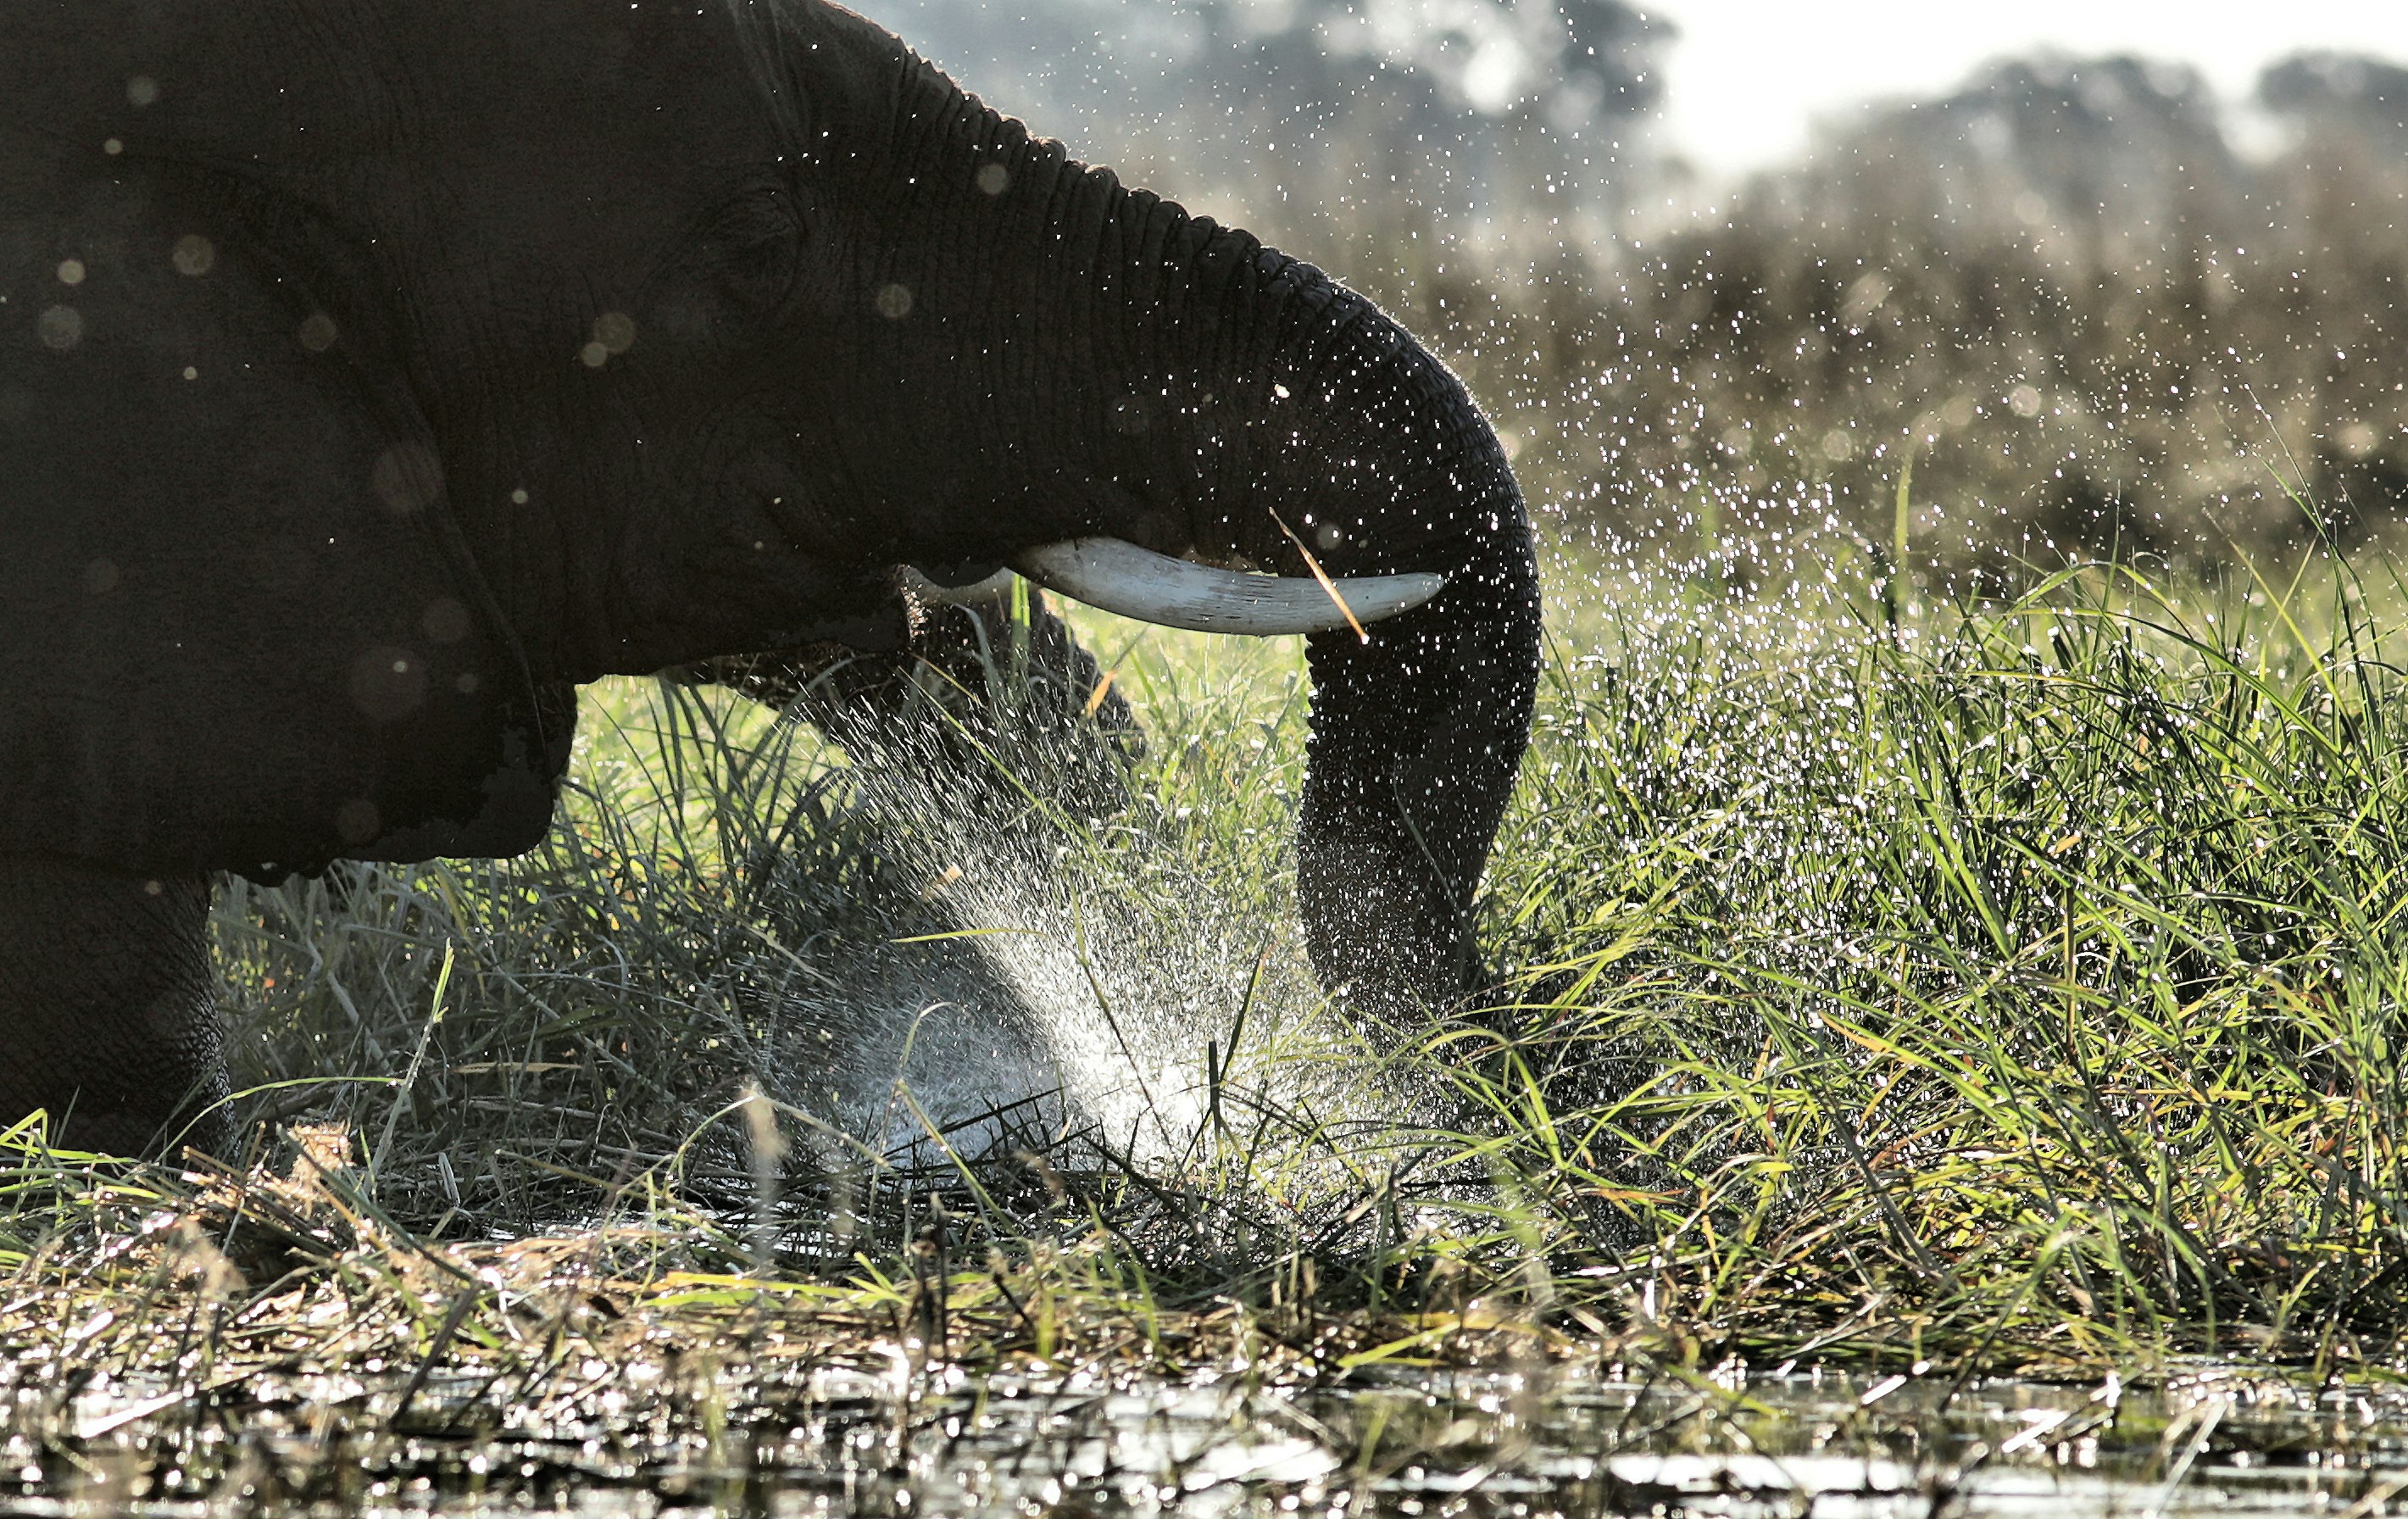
point(918, 1441)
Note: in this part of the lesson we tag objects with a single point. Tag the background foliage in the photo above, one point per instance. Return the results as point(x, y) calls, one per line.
point(2095, 320)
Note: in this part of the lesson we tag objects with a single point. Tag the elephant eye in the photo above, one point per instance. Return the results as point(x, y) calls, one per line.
point(753, 247)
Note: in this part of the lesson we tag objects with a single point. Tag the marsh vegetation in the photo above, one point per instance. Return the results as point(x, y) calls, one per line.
point(1888, 986)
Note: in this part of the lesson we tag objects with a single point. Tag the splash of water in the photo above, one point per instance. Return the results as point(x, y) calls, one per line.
point(1114, 986)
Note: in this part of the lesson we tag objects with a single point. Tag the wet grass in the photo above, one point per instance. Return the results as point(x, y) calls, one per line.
point(1992, 987)
point(1935, 991)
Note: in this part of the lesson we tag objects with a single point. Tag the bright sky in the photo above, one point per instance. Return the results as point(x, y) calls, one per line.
point(1748, 76)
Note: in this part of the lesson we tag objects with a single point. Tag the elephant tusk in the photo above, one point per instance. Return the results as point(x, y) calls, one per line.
point(1120, 576)
point(930, 593)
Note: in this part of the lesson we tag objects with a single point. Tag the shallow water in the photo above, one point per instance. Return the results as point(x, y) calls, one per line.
point(915, 1443)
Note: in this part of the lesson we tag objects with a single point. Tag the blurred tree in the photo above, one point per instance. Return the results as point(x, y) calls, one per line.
point(2354, 94)
point(2093, 323)
point(1365, 134)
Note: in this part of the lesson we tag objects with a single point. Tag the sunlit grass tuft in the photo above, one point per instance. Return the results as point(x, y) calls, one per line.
point(2022, 982)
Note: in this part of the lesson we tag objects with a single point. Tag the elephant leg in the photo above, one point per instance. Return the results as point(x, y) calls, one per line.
point(107, 1012)
point(972, 690)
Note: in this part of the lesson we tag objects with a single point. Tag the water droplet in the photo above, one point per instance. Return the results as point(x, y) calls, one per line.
point(356, 821)
point(445, 621)
point(60, 328)
point(615, 331)
point(387, 684)
point(408, 478)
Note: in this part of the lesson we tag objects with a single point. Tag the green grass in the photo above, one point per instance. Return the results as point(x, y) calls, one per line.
point(2011, 986)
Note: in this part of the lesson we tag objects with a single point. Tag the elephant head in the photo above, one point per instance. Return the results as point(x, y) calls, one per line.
point(971, 349)
point(422, 359)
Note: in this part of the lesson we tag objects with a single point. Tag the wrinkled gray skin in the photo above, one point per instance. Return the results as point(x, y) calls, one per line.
point(313, 510)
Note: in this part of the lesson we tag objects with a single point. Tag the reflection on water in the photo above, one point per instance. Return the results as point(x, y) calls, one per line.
point(918, 1442)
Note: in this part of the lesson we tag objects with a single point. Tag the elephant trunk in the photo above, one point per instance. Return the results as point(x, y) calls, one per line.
point(1211, 397)
point(1419, 728)
point(1346, 447)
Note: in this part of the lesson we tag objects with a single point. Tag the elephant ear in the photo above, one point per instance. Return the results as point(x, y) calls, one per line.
point(236, 630)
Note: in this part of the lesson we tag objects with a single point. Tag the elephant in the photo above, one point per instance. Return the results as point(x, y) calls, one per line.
point(974, 682)
point(374, 372)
